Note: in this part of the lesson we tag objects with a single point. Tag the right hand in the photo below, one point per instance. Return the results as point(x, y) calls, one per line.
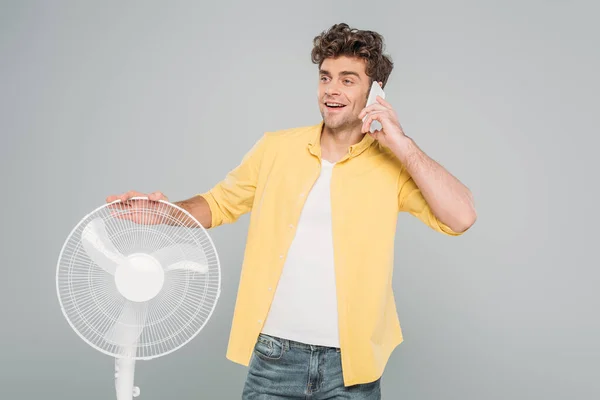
point(135, 208)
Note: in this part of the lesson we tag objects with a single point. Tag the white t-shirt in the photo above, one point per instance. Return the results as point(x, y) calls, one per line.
point(304, 308)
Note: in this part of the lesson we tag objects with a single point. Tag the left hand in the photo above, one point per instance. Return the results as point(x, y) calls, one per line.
point(391, 131)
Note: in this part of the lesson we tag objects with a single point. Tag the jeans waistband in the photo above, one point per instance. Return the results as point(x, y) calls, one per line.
point(288, 343)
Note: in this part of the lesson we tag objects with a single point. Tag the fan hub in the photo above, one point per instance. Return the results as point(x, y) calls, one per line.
point(141, 278)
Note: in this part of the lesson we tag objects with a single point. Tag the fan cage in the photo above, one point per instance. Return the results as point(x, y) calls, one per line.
point(91, 303)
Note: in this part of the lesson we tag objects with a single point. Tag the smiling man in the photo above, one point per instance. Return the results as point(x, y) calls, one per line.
point(315, 316)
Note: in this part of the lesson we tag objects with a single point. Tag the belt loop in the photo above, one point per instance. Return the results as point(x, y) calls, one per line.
point(286, 344)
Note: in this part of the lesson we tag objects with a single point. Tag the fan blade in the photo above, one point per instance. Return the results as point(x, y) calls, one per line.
point(99, 247)
point(126, 331)
point(189, 266)
point(171, 256)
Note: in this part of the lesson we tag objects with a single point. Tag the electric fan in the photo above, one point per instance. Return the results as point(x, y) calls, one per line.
point(136, 281)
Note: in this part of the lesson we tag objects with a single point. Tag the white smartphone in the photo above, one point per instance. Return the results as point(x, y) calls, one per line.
point(375, 91)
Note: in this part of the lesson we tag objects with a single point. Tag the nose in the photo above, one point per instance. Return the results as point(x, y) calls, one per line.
point(332, 90)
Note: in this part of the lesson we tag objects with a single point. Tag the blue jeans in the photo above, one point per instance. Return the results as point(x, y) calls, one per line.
point(285, 369)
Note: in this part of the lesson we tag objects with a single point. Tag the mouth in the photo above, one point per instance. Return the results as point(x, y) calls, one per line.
point(334, 106)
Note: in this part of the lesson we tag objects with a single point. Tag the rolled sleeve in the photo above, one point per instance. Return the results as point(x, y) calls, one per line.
point(234, 195)
point(411, 200)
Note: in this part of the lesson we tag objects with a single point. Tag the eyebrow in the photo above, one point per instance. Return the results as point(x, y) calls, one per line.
point(343, 73)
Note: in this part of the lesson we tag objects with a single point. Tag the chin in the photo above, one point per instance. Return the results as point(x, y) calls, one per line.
point(337, 123)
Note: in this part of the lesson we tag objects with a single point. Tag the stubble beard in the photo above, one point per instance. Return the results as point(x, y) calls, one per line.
point(339, 123)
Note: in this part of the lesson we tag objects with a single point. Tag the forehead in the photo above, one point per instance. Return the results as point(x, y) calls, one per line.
point(343, 63)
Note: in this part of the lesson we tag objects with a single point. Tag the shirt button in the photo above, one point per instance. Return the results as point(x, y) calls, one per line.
point(281, 256)
point(269, 288)
point(291, 226)
point(259, 321)
point(301, 194)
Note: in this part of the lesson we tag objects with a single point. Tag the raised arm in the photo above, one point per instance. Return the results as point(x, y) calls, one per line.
point(425, 188)
point(430, 192)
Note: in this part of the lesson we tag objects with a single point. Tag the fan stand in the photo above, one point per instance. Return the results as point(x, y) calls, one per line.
point(124, 372)
point(139, 280)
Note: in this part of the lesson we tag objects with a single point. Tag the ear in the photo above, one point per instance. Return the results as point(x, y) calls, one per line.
point(380, 84)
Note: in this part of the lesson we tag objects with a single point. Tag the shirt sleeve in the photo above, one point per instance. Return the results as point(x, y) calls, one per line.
point(234, 195)
point(411, 200)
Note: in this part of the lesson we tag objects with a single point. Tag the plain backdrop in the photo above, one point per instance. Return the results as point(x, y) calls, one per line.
point(99, 98)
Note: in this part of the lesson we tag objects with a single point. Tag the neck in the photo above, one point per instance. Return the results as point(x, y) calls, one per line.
point(335, 142)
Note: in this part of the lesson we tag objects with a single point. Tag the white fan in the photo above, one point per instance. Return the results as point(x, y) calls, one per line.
point(136, 281)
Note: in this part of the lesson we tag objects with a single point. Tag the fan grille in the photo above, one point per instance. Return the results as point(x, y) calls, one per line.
point(92, 304)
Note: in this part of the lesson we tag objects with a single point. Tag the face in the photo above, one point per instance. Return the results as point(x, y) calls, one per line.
point(343, 90)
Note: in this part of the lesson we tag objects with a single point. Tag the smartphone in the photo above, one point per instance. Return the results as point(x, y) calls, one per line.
point(375, 91)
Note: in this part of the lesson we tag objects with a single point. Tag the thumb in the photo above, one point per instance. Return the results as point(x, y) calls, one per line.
point(375, 134)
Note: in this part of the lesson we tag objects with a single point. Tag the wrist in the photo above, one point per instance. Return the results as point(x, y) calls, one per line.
point(403, 147)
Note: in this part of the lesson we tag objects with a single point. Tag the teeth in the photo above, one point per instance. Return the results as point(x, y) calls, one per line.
point(334, 105)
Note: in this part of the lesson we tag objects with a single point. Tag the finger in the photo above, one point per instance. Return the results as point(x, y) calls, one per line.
point(382, 101)
point(123, 197)
point(119, 206)
point(132, 193)
point(380, 116)
point(137, 194)
point(371, 108)
point(366, 126)
point(156, 196)
point(373, 116)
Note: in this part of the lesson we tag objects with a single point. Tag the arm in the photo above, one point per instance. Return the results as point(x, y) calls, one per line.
point(224, 203)
point(426, 189)
point(198, 207)
point(449, 200)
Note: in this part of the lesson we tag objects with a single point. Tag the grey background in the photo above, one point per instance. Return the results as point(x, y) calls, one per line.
point(99, 98)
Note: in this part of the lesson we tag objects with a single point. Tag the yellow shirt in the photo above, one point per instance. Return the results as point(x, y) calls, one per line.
point(369, 186)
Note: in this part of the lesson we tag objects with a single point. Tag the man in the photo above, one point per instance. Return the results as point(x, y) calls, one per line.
point(315, 315)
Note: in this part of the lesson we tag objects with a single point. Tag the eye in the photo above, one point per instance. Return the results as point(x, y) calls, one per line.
point(348, 81)
point(323, 78)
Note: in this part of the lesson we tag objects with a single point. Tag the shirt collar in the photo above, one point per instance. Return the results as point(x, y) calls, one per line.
point(314, 142)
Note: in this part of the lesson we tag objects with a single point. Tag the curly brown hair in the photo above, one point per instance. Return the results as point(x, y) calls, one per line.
point(341, 40)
